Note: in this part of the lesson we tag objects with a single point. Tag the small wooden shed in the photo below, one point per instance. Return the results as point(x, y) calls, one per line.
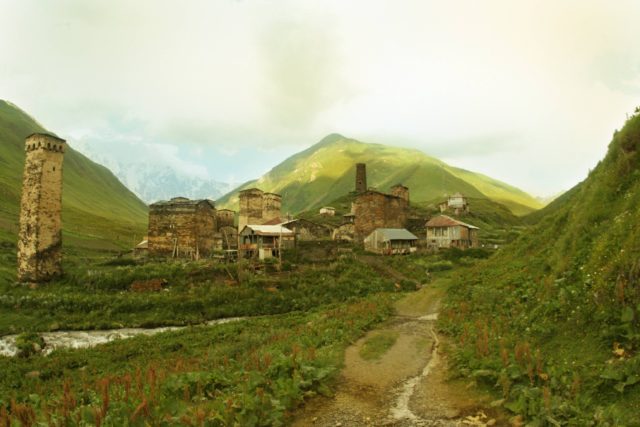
point(391, 241)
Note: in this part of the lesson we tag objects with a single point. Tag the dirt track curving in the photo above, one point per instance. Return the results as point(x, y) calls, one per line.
point(407, 386)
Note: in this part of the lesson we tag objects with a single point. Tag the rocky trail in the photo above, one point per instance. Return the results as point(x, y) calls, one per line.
point(405, 386)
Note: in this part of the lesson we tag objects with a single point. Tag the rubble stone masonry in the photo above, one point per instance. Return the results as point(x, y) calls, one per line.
point(373, 210)
point(250, 207)
point(182, 228)
point(40, 234)
point(271, 207)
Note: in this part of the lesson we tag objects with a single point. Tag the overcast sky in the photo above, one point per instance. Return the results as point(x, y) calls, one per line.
point(528, 92)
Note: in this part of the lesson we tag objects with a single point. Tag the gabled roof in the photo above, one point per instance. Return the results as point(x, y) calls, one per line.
point(447, 221)
point(268, 230)
point(395, 234)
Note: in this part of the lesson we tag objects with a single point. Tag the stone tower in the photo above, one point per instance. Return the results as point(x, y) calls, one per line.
point(250, 207)
point(361, 177)
point(272, 207)
point(401, 191)
point(40, 235)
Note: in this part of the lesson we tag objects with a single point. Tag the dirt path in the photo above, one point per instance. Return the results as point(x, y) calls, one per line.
point(405, 386)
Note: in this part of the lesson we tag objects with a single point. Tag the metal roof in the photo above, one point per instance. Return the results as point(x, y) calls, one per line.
point(395, 234)
point(268, 230)
point(447, 221)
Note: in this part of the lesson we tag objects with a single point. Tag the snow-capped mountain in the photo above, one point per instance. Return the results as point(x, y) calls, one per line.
point(153, 181)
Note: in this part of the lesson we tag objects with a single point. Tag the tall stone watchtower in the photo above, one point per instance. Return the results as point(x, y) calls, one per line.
point(250, 207)
point(40, 235)
point(361, 177)
point(271, 207)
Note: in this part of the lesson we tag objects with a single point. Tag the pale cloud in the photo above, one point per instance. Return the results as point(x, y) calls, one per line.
point(525, 91)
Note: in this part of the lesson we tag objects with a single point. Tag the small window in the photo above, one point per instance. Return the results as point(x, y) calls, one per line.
point(54, 168)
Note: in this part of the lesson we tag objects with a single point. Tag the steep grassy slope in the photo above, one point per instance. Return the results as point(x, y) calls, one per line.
point(553, 321)
point(325, 172)
point(98, 211)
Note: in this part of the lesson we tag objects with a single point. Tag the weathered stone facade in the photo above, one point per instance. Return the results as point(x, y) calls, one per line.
point(271, 207)
point(374, 210)
point(225, 218)
point(258, 207)
point(40, 234)
point(361, 177)
point(182, 228)
point(401, 191)
point(250, 207)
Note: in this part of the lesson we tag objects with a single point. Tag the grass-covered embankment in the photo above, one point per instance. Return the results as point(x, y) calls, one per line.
point(552, 322)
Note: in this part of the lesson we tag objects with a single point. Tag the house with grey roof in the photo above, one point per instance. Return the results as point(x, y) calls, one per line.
point(391, 241)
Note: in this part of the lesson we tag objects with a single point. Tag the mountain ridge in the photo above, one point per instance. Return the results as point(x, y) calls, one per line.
point(304, 179)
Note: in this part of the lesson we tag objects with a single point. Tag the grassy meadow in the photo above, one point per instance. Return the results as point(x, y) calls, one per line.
point(251, 372)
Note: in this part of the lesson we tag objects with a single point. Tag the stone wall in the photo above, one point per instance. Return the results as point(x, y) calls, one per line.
point(258, 207)
point(40, 234)
point(400, 191)
point(250, 207)
point(225, 218)
point(361, 177)
point(271, 207)
point(182, 228)
point(373, 210)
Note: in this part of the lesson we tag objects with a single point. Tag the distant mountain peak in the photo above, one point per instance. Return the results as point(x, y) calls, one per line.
point(325, 171)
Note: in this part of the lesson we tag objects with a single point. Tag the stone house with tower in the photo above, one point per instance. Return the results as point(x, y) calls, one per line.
point(40, 233)
point(182, 228)
point(373, 209)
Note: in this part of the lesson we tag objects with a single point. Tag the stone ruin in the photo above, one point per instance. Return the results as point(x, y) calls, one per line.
point(40, 234)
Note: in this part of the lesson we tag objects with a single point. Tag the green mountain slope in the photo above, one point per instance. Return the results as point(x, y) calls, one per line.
point(325, 172)
point(98, 211)
point(553, 321)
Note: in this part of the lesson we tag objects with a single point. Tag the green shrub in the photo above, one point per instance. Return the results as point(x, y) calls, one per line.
point(29, 343)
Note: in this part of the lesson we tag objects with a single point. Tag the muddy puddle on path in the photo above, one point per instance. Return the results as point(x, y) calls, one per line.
point(84, 339)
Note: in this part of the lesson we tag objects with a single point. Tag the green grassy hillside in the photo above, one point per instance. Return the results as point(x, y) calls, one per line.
point(325, 172)
point(98, 211)
point(552, 322)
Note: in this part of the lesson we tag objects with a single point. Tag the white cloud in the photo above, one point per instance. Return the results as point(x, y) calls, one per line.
point(507, 88)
